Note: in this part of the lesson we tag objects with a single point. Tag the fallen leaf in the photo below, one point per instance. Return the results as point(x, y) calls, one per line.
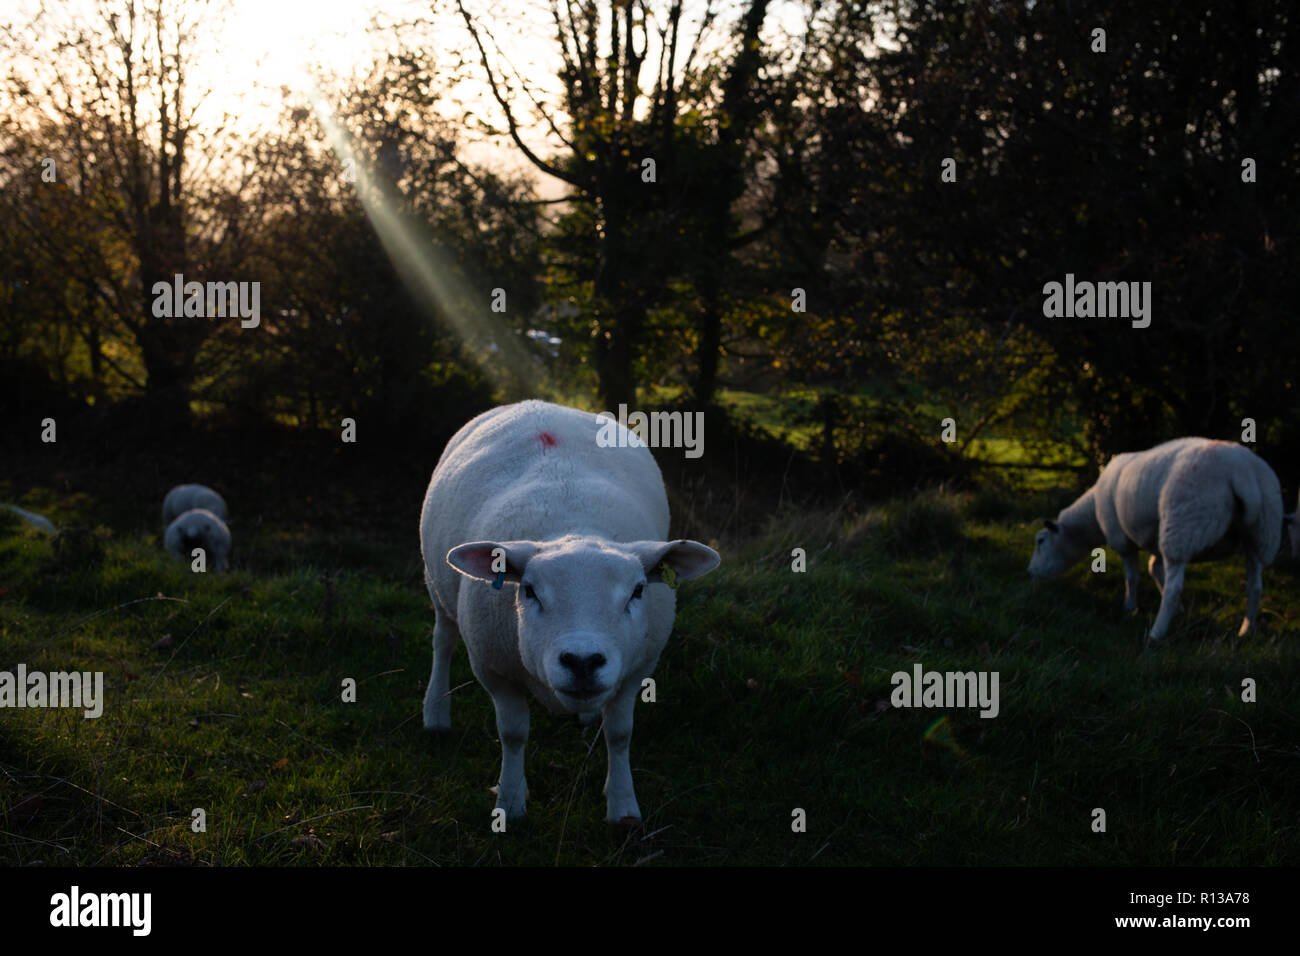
point(280, 764)
point(165, 641)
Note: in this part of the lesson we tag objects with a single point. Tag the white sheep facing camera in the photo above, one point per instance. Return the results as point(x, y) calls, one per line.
point(547, 555)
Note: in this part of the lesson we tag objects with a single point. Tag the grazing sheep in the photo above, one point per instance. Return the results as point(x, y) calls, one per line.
point(1191, 499)
point(546, 553)
point(200, 528)
point(184, 498)
point(36, 521)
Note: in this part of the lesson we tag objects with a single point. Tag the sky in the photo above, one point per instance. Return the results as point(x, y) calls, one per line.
point(278, 41)
point(255, 49)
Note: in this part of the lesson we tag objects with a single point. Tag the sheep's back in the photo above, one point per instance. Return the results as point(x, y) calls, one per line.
point(1188, 483)
point(533, 471)
point(192, 497)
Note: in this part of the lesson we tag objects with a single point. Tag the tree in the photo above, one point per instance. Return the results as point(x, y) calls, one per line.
point(119, 118)
point(644, 232)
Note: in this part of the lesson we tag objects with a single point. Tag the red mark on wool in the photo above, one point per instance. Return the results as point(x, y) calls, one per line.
point(548, 440)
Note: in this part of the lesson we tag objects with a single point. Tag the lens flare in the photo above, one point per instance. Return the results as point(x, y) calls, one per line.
point(425, 268)
point(940, 734)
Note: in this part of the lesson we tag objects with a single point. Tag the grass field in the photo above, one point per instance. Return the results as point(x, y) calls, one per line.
point(788, 416)
point(224, 693)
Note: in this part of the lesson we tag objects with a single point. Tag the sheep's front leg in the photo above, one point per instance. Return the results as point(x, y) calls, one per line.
point(437, 698)
point(1157, 569)
point(511, 705)
point(1170, 601)
point(1130, 581)
point(620, 799)
point(1254, 591)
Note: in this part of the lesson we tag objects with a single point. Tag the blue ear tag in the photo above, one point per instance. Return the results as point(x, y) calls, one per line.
point(500, 580)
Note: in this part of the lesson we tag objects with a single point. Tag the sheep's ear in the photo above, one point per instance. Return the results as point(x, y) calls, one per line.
point(1051, 525)
point(485, 560)
point(685, 559)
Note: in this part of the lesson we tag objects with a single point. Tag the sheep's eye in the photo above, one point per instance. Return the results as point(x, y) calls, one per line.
point(531, 594)
point(636, 593)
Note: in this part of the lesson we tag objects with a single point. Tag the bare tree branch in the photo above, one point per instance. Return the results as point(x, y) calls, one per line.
point(532, 157)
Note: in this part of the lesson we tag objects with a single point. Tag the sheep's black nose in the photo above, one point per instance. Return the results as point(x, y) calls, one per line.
point(583, 667)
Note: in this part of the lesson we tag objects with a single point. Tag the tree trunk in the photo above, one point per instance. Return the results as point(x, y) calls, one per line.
point(710, 329)
point(616, 382)
point(167, 393)
point(618, 299)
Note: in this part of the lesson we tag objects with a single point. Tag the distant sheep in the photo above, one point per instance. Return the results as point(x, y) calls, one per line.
point(184, 498)
point(1191, 499)
point(36, 521)
point(547, 554)
point(199, 528)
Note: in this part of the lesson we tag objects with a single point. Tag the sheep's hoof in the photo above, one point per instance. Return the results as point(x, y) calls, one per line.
point(437, 730)
point(630, 824)
point(512, 813)
point(515, 812)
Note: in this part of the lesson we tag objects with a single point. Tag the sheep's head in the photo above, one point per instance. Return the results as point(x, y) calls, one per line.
point(1055, 549)
point(198, 528)
point(582, 603)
